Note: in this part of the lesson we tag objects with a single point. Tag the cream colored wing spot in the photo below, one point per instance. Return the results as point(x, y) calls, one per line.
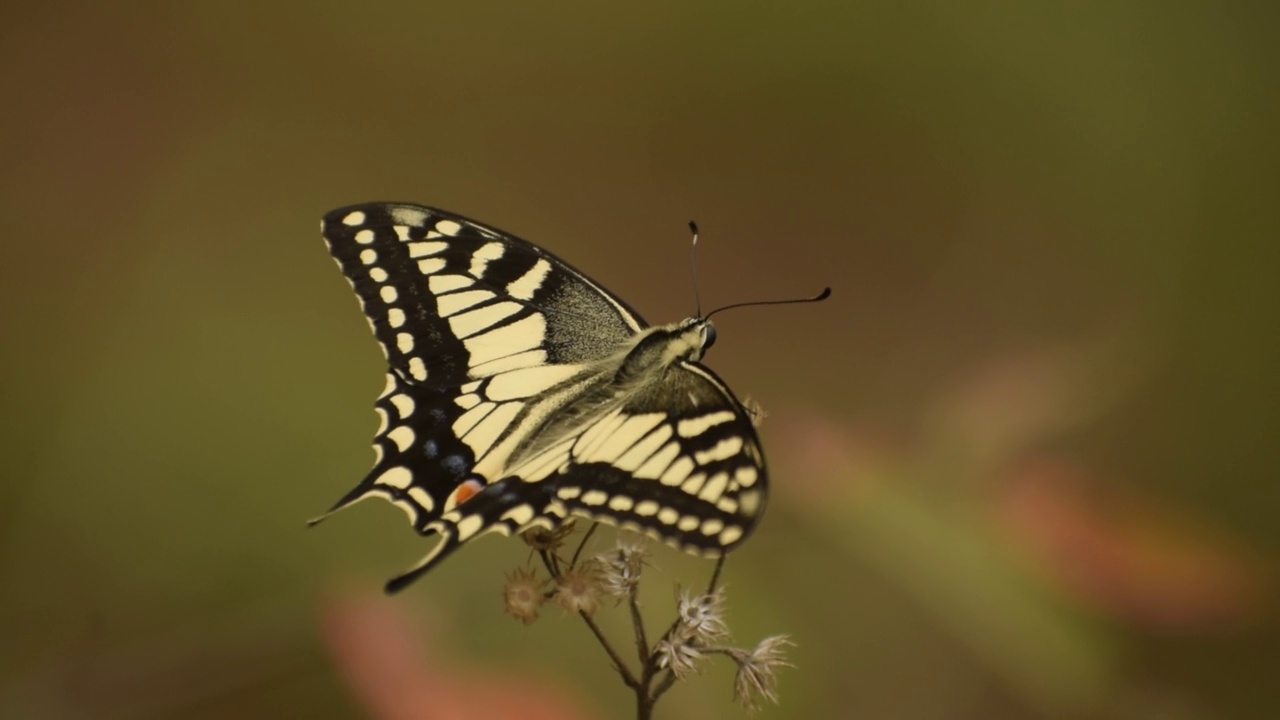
point(388, 294)
point(402, 436)
point(440, 284)
point(401, 215)
point(646, 508)
point(694, 483)
point(711, 526)
point(730, 535)
point(481, 258)
point(677, 472)
point(364, 237)
point(527, 382)
point(594, 497)
point(620, 503)
point(423, 498)
point(631, 460)
point(727, 504)
point(469, 526)
point(431, 266)
point(529, 358)
point(426, 248)
point(395, 317)
point(481, 320)
point(466, 401)
point(354, 218)
point(668, 516)
point(403, 404)
point(749, 502)
point(528, 284)
point(714, 487)
point(469, 419)
point(368, 256)
point(746, 476)
point(402, 232)
point(417, 369)
point(692, 427)
point(569, 493)
point(447, 227)
point(688, 523)
point(396, 477)
point(654, 467)
point(404, 343)
point(486, 432)
point(520, 515)
point(723, 450)
point(454, 303)
point(389, 386)
point(378, 275)
point(521, 335)
point(384, 422)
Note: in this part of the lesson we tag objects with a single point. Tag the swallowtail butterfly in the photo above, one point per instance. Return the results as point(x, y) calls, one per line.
point(520, 392)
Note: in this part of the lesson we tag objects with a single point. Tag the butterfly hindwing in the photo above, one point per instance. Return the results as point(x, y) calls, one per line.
point(679, 461)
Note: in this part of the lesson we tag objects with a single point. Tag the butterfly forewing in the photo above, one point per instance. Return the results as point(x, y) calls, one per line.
point(503, 409)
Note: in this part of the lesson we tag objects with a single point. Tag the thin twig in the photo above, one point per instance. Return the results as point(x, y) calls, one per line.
point(585, 537)
point(666, 683)
point(549, 559)
point(622, 668)
point(642, 643)
point(715, 575)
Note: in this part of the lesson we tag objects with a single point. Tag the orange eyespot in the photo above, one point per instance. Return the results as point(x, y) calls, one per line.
point(466, 491)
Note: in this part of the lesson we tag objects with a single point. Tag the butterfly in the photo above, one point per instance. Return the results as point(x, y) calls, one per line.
point(520, 393)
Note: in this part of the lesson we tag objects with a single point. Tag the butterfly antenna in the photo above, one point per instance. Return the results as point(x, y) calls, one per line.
point(693, 265)
point(826, 293)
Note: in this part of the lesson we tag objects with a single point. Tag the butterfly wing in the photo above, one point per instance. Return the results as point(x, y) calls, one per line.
point(677, 459)
point(465, 313)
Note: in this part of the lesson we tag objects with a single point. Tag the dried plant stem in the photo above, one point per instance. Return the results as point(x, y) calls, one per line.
point(583, 543)
point(647, 691)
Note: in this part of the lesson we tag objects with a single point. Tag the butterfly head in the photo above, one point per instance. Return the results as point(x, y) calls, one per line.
point(695, 336)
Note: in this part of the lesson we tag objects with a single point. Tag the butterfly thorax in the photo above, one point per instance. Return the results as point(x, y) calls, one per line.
point(661, 347)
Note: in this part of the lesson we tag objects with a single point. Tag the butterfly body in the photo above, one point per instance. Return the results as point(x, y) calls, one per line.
point(521, 393)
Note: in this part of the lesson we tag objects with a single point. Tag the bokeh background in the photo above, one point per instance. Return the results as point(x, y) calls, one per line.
point(1024, 460)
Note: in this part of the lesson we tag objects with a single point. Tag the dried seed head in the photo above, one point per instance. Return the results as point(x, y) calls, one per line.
point(543, 539)
point(754, 411)
point(702, 617)
point(757, 670)
point(522, 595)
point(578, 589)
point(678, 655)
point(621, 568)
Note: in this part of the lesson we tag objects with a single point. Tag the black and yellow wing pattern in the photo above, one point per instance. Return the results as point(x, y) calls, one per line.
point(520, 392)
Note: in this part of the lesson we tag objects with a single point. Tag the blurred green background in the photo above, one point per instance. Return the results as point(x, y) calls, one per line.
point(1024, 460)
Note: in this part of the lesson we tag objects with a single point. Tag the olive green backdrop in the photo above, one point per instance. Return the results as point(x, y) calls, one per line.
point(1024, 460)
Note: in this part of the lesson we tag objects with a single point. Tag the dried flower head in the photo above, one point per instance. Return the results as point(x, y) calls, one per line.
point(620, 568)
point(522, 595)
point(578, 589)
point(702, 616)
point(679, 655)
point(543, 539)
point(757, 669)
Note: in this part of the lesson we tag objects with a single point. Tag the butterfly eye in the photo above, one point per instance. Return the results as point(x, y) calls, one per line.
point(708, 337)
